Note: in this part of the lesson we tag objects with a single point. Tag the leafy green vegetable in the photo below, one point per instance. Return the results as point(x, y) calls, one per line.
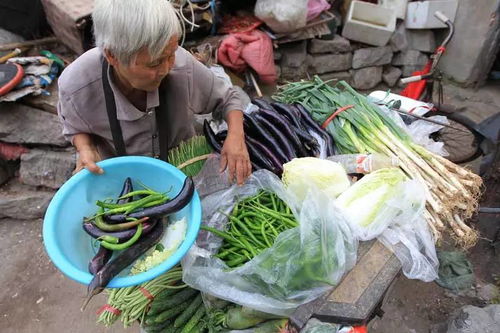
point(300, 173)
point(367, 198)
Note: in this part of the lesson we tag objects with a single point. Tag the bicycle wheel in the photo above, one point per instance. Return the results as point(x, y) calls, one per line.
point(461, 140)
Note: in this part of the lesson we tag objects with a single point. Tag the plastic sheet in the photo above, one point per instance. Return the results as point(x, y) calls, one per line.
point(282, 15)
point(420, 130)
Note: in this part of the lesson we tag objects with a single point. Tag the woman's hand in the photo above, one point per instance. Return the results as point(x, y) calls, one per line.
point(87, 159)
point(234, 154)
point(234, 157)
point(87, 154)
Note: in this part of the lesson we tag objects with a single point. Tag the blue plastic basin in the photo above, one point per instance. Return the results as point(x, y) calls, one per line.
point(70, 248)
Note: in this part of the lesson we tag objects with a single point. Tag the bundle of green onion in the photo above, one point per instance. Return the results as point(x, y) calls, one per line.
point(452, 191)
point(190, 155)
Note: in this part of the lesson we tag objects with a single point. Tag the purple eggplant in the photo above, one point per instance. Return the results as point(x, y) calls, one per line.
point(309, 122)
point(263, 156)
point(289, 113)
point(100, 259)
point(259, 133)
point(211, 138)
point(262, 103)
point(307, 140)
point(121, 261)
point(169, 207)
point(221, 136)
point(127, 188)
point(282, 130)
point(123, 235)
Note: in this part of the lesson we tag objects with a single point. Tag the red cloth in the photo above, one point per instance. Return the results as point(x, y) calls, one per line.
point(11, 152)
point(254, 49)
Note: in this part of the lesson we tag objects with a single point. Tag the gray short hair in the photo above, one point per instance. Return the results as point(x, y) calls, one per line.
point(124, 27)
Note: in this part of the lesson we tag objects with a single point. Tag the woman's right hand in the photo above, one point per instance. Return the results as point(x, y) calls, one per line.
point(87, 152)
point(87, 159)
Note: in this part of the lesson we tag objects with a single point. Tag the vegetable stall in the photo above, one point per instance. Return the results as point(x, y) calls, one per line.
point(269, 250)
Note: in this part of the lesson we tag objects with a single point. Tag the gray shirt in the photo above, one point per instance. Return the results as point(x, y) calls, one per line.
point(192, 89)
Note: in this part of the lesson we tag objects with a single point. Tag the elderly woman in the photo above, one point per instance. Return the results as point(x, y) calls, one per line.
point(137, 91)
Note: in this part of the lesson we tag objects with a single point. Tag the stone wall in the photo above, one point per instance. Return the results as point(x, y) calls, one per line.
point(362, 66)
point(35, 160)
point(470, 54)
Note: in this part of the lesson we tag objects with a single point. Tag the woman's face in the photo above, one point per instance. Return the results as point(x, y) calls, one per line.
point(145, 73)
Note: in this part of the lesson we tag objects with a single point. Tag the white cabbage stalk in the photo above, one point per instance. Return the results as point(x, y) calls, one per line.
point(300, 173)
point(172, 239)
point(367, 199)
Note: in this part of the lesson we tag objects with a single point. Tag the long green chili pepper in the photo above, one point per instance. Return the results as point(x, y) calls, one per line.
point(141, 202)
point(124, 245)
point(236, 261)
point(263, 232)
point(99, 222)
point(273, 202)
point(138, 192)
point(109, 239)
point(253, 225)
point(226, 236)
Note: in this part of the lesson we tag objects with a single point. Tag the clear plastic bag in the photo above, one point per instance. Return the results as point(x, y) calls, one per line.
point(409, 237)
point(401, 227)
point(282, 15)
point(302, 264)
point(413, 244)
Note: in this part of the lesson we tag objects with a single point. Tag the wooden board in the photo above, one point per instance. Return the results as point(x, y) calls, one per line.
point(359, 293)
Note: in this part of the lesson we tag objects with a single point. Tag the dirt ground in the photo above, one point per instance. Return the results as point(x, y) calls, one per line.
point(37, 298)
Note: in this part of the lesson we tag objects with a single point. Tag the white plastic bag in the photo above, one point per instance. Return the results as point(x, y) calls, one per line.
point(302, 264)
point(282, 15)
point(420, 130)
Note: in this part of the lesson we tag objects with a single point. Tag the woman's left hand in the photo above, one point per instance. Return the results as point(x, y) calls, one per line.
point(234, 157)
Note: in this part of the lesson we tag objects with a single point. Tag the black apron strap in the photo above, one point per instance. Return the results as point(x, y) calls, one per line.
point(114, 124)
point(162, 123)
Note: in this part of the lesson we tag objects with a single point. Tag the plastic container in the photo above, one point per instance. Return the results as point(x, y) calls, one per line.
point(420, 14)
point(70, 248)
point(369, 23)
point(399, 6)
point(364, 163)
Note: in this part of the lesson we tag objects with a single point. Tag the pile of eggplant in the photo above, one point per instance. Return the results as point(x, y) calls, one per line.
point(275, 134)
point(130, 227)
